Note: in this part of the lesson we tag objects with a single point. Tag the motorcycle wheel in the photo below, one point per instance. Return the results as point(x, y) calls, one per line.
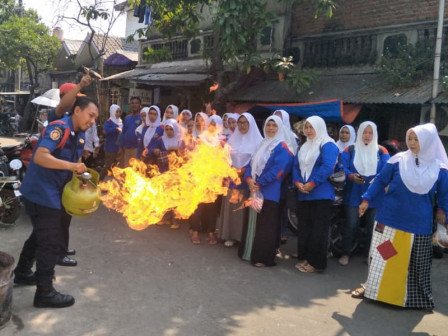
point(10, 208)
point(292, 219)
point(335, 238)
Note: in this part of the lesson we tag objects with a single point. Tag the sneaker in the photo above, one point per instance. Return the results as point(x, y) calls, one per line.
point(229, 243)
point(344, 260)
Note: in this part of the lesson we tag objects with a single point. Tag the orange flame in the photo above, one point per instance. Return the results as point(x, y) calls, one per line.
point(214, 87)
point(144, 200)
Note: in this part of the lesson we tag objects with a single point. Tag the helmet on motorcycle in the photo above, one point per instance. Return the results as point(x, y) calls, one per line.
point(81, 195)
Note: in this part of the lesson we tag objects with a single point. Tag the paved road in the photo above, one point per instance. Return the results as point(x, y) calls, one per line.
point(155, 282)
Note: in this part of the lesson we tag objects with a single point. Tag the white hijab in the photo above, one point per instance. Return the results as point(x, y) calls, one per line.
point(266, 147)
point(175, 112)
point(366, 156)
point(112, 109)
point(233, 116)
point(311, 149)
point(292, 138)
point(343, 145)
point(243, 146)
point(226, 130)
point(176, 139)
point(152, 126)
point(196, 132)
point(139, 129)
point(180, 117)
point(431, 157)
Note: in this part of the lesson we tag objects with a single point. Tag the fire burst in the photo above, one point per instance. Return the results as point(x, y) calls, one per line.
point(144, 200)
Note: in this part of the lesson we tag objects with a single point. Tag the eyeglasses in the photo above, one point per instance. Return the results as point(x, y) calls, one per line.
point(242, 122)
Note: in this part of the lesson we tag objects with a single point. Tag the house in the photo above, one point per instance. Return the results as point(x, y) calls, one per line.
point(346, 49)
point(106, 54)
point(184, 80)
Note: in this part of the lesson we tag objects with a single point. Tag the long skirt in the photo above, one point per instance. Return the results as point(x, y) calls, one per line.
point(261, 234)
point(231, 221)
point(400, 268)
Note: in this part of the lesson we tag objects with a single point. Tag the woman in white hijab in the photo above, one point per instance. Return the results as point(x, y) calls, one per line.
point(362, 162)
point(140, 131)
point(313, 165)
point(347, 137)
point(171, 112)
point(292, 138)
point(200, 124)
point(206, 214)
point(151, 132)
point(111, 130)
point(226, 131)
point(400, 259)
point(264, 175)
point(183, 119)
point(243, 144)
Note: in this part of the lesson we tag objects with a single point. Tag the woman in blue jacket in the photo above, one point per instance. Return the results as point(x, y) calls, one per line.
point(362, 162)
point(265, 173)
point(401, 252)
point(112, 129)
point(313, 164)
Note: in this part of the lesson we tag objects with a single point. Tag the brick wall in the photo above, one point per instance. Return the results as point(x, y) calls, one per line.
point(358, 14)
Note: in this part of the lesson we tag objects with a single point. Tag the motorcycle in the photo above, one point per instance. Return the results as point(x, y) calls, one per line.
point(9, 189)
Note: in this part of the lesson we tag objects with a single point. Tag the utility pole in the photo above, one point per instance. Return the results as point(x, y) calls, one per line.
point(437, 54)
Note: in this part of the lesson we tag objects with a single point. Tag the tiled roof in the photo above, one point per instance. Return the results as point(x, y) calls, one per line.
point(73, 46)
point(114, 45)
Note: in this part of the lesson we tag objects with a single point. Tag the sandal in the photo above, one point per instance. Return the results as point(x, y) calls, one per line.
point(212, 239)
point(259, 264)
point(195, 240)
point(358, 293)
point(307, 269)
point(301, 263)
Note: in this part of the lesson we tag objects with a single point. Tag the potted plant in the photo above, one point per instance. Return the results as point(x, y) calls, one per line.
point(282, 66)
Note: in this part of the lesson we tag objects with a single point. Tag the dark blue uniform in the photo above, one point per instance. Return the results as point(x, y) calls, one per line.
point(42, 190)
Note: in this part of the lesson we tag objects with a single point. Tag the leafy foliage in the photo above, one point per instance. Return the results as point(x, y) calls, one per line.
point(159, 55)
point(237, 26)
point(24, 39)
point(408, 63)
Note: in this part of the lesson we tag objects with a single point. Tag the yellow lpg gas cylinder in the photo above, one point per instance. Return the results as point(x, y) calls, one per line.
point(81, 196)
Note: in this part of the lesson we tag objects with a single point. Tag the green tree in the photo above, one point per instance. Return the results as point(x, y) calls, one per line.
point(25, 42)
point(237, 26)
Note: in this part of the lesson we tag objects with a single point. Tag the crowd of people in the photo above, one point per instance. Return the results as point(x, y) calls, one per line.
point(397, 195)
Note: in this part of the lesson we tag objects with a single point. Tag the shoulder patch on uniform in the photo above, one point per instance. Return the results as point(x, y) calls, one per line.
point(55, 134)
point(81, 141)
point(138, 122)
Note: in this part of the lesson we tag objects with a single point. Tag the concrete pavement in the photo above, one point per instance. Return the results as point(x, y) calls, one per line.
point(155, 282)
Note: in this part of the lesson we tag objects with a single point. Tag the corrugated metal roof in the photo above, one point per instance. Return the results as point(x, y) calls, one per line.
point(352, 88)
point(127, 74)
point(190, 79)
point(193, 67)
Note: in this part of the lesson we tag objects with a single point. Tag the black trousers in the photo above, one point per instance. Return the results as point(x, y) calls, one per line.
point(267, 234)
point(314, 218)
point(204, 218)
point(48, 240)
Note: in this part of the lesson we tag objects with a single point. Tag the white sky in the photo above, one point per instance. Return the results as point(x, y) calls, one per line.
point(49, 10)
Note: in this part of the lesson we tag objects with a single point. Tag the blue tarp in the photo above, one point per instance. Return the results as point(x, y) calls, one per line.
point(330, 110)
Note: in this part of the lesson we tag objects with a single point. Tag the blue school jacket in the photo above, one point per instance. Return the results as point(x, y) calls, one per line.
point(354, 191)
point(323, 168)
point(270, 180)
point(403, 209)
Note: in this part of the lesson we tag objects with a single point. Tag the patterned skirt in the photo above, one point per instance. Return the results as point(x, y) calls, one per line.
point(400, 268)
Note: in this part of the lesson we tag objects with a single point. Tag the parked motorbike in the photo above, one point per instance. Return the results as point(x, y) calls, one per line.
point(9, 189)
